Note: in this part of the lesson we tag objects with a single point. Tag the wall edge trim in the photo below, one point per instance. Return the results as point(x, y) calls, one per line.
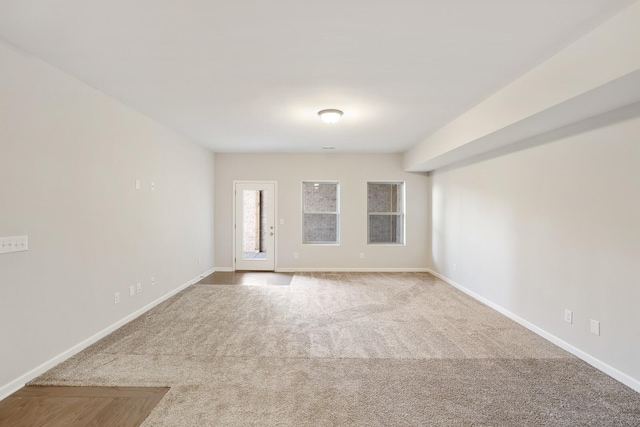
point(614, 373)
point(15, 385)
point(355, 270)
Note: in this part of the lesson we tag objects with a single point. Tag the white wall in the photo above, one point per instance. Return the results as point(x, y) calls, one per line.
point(69, 157)
point(551, 226)
point(353, 171)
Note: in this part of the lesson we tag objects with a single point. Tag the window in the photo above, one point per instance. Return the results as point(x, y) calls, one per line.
point(320, 212)
point(385, 210)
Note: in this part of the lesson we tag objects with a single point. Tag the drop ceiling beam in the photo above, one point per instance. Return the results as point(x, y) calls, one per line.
point(598, 73)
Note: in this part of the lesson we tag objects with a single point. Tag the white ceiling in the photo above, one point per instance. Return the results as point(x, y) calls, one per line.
point(250, 76)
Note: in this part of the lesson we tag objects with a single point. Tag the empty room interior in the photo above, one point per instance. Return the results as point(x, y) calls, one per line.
point(339, 213)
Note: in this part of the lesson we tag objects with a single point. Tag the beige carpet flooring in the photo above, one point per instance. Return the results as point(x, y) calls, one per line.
point(347, 349)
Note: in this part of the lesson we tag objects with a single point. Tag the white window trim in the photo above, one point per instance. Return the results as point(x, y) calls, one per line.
point(336, 212)
point(402, 214)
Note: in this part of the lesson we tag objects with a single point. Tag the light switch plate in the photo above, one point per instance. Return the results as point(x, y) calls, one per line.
point(14, 244)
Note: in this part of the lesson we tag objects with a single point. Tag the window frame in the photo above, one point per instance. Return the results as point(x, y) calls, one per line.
point(403, 217)
point(336, 212)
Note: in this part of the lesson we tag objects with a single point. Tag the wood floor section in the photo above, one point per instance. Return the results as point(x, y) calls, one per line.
point(79, 406)
point(249, 278)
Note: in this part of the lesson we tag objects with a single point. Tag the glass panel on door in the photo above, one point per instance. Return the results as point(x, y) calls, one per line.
point(254, 219)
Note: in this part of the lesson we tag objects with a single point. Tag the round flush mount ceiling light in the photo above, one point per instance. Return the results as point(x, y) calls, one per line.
point(330, 116)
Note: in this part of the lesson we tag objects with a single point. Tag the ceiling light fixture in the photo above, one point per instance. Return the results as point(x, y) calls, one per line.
point(330, 116)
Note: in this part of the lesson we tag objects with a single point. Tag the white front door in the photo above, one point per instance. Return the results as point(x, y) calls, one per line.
point(255, 226)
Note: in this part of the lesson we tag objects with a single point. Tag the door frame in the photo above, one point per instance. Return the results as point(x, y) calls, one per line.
point(275, 219)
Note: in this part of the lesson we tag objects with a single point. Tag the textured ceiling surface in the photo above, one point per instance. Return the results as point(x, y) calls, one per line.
point(250, 76)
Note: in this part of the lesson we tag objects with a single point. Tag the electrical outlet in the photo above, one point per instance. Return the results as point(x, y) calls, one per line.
point(139, 287)
point(595, 327)
point(132, 290)
point(153, 186)
point(361, 255)
point(455, 267)
point(116, 297)
point(295, 255)
point(153, 281)
point(198, 262)
point(137, 184)
point(568, 315)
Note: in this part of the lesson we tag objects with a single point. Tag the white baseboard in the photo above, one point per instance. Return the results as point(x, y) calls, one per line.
point(341, 269)
point(596, 363)
point(353, 270)
point(203, 275)
point(15, 385)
